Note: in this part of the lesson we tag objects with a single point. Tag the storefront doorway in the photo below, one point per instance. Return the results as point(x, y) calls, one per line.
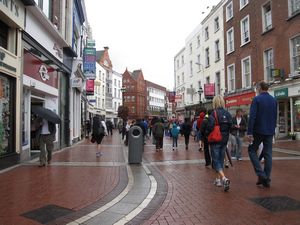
point(284, 118)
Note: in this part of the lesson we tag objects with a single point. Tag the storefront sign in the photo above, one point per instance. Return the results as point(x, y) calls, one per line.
point(76, 82)
point(209, 90)
point(281, 93)
point(4, 64)
point(89, 63)
point(89, 87)
point(238, 100)
point(34, 67)
point(178, 98)
point(14, 10)
point(90, 43)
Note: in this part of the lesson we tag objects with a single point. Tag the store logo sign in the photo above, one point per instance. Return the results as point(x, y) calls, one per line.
point(281, 93)
point(44, 73)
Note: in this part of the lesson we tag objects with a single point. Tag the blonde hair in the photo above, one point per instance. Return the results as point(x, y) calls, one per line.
point(218, 102)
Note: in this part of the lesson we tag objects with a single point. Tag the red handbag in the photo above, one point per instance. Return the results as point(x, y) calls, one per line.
point(215, 135)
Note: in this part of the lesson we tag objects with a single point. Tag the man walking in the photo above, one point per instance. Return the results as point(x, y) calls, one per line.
point(261, 128)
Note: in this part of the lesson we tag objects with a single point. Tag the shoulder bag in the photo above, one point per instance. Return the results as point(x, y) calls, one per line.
point(215, 135)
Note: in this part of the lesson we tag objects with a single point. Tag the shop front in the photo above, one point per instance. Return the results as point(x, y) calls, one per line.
point(288, 98)
point(242, 101)
point(11, 26)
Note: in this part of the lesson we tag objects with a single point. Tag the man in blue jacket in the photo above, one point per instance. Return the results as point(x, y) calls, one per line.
point(261, 128)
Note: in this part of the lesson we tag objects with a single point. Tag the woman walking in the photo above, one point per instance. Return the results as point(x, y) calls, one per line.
point(175, 132)
point(222, 118)
point(99, 131)
point(186, 130)
point(158, 133)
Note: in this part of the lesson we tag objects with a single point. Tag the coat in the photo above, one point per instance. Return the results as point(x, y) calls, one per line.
point(158, 129)
point(239, 131)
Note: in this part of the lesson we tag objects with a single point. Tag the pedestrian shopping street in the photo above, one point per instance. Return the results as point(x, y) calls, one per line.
point(169, 187)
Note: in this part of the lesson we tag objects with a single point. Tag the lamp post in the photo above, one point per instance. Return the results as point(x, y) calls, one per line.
point(200, 92)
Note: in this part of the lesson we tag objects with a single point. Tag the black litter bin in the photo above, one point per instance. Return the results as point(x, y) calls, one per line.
point(135, 144)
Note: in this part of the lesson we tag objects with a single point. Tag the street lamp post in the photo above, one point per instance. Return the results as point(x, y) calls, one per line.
point(200, 92)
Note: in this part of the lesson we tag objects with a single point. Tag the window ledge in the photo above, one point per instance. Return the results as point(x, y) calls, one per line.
point(228, 53)
point(267, 31)
point(217, 60)
point(242, 45)
point(293, 16)
point(217, 30)
point(207, 66)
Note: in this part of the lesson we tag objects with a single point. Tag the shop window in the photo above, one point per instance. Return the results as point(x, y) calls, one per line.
point(3, 35)
point(297, 116)
point(6, 115)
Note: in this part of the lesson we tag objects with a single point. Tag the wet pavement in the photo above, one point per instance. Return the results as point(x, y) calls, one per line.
point(170, 187)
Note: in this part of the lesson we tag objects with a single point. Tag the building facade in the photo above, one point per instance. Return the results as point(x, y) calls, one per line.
point(117, 95)
point(156, 104)
point(256, 49)
point(12, 17)
point(134, 93)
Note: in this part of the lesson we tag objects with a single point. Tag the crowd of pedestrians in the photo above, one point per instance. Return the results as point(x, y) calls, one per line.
point(219, 134)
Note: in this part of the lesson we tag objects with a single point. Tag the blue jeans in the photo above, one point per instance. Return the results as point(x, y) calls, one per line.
point(266, 152)
point(238, 147)
point(217, 155)
point(175, 141)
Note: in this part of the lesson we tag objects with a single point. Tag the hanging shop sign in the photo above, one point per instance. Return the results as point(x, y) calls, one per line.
point(209, 90)
point(89, 63)
point(89, 88)
point(90, 43)
point(178, 98)
point(238, 100)
point(281, 93)
point(35, 68)
point(76, 82)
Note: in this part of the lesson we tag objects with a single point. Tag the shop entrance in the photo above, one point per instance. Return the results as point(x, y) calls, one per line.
point(34, 143)
point(284, 119)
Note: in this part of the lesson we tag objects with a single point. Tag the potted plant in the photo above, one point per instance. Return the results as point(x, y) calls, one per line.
point(292, 135)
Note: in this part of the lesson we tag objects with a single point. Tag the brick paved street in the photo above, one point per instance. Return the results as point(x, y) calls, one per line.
point(80, 182)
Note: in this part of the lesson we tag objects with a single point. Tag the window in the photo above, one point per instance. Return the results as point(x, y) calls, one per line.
point(178, 81)
point(218, 83)
point(182, 77)
point(115, 105)
point(243, 3)
point(177, 61)
point(115, 92)
point(294, 7)
point(192, 93)
point(229, 11)
point(182, 60)
point(207, 80)
point(230, 40)
point(103, 90)
point(217, 24)
point(206, 34)
point(3, 35)
point(246, 72)
point(267, 17)
point(217, 50)
point(198, 41)
point(207, 57)
point(268, 64)
point(231, 77)
point(245, 30)
point(191, 48)
point(295, 45)
point(191, 68)
point(198, 62)
point(119, 83)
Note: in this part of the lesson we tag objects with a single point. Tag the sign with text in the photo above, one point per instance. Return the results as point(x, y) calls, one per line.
point(89, 87)
point(281, 93)
point(178, 98)
point(209, 90)
point(237, 100)
point(89, 63)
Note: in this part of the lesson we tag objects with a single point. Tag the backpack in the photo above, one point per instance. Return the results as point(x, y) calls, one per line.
point(98, 128)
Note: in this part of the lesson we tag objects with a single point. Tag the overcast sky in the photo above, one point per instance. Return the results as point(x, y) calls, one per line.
point(145, 34)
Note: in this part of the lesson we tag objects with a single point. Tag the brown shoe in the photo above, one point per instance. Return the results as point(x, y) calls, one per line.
point(41, 165)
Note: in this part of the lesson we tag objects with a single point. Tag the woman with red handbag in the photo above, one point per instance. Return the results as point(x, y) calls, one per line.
point(218, 129)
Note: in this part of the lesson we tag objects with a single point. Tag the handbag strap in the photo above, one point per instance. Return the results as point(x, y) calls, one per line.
point(216, 117)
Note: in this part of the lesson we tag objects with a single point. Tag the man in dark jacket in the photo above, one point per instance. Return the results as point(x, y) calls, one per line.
point(203, 131)
point(261, 128)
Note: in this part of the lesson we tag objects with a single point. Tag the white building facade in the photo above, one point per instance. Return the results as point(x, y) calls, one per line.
point(116, 95)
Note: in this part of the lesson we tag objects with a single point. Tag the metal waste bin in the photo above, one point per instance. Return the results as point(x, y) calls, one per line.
point(135, 144)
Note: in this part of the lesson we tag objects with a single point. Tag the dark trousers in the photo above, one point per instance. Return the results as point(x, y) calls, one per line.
point(206, 152)
point(186, 139)
point(159, 142)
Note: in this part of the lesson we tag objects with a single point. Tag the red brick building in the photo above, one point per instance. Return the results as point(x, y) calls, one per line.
point(134, 95)
point(262, 42)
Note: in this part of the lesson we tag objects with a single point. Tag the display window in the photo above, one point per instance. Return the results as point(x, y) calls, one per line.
point(297, 116)
point(6, 115)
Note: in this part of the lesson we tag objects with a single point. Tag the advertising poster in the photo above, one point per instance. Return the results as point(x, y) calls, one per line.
point(89, 63)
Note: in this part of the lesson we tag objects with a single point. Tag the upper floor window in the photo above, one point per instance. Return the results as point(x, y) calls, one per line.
point(246, 72)
point(198, 41)
point(230, 40)
point(229, 11)
point(178, 81)
point(231, 77)
point(182, 60)
point(191, 48)
point(218, 83)
point(267, 17)
point(245, 30)
point(206, 33)
point(295, 50)
point(217, 24)
point(294, 7)
point(217, 50)
point(207, 63)
point(198, 62)
point(268, 64)
point(243, 3)
point(3, 35)
point(177, 61)
point(182, 77)
point(191, 68)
